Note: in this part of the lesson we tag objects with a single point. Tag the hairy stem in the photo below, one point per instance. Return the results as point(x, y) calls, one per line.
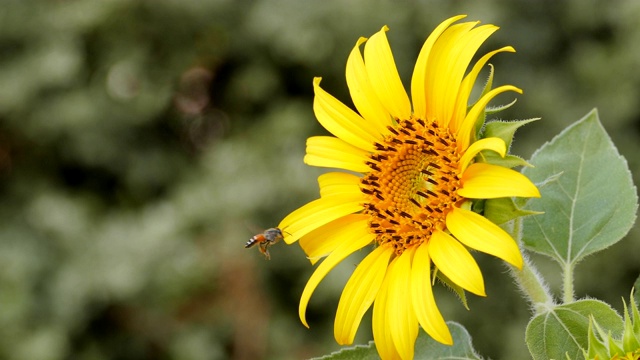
point(567, 283)
point(529, 280)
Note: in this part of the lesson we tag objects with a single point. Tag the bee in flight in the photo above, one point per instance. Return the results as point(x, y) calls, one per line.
point(264, 240)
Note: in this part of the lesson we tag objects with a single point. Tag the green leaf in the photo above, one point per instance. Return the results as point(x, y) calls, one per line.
point(564, 329)
point(358, 352)
point(426, 348)
point(591, 202)
point(429, 349)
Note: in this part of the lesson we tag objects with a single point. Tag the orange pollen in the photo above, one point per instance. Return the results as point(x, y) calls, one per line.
point(412, 184)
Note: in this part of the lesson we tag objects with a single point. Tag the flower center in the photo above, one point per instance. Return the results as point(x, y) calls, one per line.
point(412, 184)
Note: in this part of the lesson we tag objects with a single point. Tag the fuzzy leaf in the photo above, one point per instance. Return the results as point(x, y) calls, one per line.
point(426, 348)
point(591, 205)
point(429, 349)
point(358, 352)
point(564, 329)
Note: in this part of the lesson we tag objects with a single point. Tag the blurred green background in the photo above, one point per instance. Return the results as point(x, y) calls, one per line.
point(143, 142)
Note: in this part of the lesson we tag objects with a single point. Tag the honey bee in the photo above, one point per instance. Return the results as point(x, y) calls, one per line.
point(266, 239)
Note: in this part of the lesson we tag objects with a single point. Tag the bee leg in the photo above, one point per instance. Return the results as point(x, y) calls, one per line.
point(264, 250)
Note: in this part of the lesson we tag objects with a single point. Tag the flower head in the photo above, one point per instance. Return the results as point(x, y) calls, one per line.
point(602, 346)
point(419, 172)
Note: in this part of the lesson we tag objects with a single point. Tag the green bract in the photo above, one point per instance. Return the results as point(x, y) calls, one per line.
point(603, 344)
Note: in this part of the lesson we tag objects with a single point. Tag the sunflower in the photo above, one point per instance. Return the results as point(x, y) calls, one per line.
point(418, 173)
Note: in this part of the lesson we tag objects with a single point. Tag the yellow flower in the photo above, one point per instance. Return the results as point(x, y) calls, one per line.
point(411, 199)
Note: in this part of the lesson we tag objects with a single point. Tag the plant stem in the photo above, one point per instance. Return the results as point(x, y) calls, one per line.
point(567, 284)
point(532, 286)
point(529, 279)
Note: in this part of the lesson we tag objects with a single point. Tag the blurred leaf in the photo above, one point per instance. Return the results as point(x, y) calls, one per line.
point(564, 330)
point(593, 203)
point(426, 348)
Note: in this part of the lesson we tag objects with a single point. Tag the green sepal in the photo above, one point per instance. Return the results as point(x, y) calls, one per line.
point(509, 161)
point(478, 206)
point(505, 130)
point(462, 295)
point(596, 347)
point(490, 110)
point(613, 346)
point(502, 210)
point(609, 342)
point(636, 315)
point(629, 339)
point(483, 115)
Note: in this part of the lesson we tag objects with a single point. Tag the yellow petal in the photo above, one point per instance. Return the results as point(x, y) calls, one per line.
point(384, 77)
point(325, 239)
point(455, 262)
point(317, 213)
point(461, 53)
point(341, 121)
point(467, 85)
point(493, 143)
point(359, 293)
point(363, 94)
point(381, 323)
point(477, 232)
point(424, 304)
point(488, 181)
point(346, 248)
point(439, 72)
point(333, 183)
point(402, 318)
point(467, 128)
point(327, 151)
point(418, 91)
